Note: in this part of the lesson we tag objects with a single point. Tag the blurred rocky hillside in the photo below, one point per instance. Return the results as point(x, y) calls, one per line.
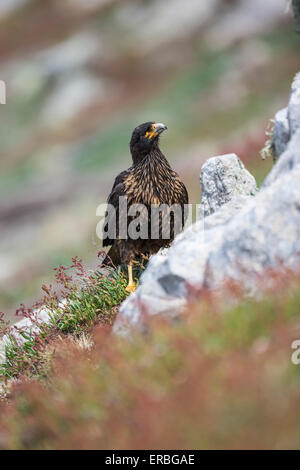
point(81, 74)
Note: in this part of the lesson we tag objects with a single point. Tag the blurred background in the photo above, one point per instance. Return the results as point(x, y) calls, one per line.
point(81, 74)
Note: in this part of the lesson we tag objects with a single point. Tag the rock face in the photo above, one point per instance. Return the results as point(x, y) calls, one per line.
point(281, 131)
point(236, 239)
point(224, 179)
point(287, 120)
point(294, 106)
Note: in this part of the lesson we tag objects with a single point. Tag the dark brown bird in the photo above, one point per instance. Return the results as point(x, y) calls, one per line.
point(149, 182)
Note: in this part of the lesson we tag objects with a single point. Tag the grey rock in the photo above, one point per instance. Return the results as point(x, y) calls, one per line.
point(223, 179)
point(287, 120)
point(288, 160)
point(294, 106)
point(281, 131)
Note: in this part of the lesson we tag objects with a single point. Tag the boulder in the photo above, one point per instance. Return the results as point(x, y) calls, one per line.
point(224, 179)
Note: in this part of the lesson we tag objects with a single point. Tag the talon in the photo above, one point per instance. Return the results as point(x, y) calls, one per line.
point(131, 288)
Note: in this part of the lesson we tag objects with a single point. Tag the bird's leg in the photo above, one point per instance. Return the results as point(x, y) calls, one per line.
point(131, 284)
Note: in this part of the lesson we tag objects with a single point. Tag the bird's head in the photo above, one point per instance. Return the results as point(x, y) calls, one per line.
point(144, 139)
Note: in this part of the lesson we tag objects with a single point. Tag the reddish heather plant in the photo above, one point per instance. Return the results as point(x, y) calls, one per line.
point(4, 325)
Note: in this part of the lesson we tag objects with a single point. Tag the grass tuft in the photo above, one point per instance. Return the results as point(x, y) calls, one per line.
point(269, 148)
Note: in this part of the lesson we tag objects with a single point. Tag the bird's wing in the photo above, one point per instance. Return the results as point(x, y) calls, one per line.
point(181, 196)
point(185, 196)
point(112, 217)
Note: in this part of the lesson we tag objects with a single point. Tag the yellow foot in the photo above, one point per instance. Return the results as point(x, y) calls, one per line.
point(131, 287)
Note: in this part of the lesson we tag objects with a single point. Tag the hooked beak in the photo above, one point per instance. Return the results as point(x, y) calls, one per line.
point(159, 127)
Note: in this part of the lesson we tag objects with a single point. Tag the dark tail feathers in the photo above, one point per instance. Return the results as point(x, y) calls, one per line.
point(112, 258)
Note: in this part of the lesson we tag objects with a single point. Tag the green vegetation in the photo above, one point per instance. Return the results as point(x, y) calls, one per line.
point(269, 148)
point(88, 299)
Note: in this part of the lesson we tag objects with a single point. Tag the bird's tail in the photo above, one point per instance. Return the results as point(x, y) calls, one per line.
point(112, 258)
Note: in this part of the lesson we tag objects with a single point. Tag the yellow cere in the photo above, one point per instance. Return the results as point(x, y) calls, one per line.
point(152, 133)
